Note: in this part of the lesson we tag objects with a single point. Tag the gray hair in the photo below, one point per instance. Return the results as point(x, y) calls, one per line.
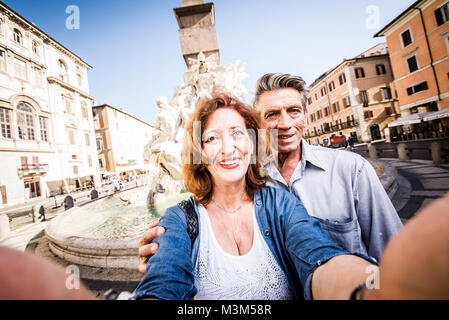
point(274, 81)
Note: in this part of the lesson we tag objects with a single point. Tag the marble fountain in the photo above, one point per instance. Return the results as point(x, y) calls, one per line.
point(105, 232)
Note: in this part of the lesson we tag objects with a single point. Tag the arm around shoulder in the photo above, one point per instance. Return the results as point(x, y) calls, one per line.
point(169, 273)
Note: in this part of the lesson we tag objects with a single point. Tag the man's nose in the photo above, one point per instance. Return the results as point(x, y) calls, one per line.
point(284, 120)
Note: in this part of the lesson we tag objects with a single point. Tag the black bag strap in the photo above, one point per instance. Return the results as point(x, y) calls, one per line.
point(192, 220)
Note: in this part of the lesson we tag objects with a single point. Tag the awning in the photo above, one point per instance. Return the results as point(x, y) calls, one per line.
point(437, 115)
point(410, 119)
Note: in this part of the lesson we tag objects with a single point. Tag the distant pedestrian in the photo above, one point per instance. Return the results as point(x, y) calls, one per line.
point(351, 143)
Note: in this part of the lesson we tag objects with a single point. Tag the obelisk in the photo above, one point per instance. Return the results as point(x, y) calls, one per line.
point(197, 33)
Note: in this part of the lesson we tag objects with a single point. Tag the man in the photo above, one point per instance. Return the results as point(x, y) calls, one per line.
point(339, 188)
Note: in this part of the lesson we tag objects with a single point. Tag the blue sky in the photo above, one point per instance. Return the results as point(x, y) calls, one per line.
point(134, 47)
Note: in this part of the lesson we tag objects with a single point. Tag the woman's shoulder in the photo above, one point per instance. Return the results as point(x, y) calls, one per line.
point(270, 192)
point(177, 212)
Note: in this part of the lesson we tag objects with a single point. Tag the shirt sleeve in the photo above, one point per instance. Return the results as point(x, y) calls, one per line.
point(307, 245)
point(169, 274)
point(378, 219)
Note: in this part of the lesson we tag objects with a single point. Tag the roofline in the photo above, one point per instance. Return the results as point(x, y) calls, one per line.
point(32, 25)
point(317, 80)
point(379, 33)
point(109, 106)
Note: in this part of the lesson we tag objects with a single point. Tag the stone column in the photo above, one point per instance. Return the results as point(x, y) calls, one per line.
point(372, 151)
point(403, 153)
point(4, 226)
point(437, 152)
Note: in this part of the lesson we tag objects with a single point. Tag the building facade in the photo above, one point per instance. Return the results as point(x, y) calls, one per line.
point(418, 41)
point(120, 140)
point(356, 98)
point(47, 139)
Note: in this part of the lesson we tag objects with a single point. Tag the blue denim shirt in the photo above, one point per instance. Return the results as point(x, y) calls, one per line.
point(342, 190)
point(294, 238)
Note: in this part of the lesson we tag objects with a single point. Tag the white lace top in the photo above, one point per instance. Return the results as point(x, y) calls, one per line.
point(222, 276)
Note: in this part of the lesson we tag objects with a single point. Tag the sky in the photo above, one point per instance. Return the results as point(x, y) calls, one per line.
point(134, 49)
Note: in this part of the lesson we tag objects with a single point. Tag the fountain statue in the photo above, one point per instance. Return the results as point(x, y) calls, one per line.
point(105, 233)
point(164, 149)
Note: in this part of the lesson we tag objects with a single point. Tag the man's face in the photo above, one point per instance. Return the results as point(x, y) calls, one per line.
point(282, 110)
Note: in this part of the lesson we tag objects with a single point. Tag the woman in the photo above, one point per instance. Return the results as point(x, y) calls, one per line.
point(254, 242)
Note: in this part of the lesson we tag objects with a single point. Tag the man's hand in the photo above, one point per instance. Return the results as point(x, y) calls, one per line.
point(146, 248)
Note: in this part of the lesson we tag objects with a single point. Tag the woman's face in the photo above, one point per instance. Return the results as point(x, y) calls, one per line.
point(227, 146)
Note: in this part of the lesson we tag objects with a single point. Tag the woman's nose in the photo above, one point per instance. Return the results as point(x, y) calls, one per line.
point(228, 145)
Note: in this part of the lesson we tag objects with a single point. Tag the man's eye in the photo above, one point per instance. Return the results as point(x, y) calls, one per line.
point(238, 133)
point(270, 115)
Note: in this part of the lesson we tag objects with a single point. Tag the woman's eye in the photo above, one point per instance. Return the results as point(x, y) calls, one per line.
point(238, 133)
point(210, 139)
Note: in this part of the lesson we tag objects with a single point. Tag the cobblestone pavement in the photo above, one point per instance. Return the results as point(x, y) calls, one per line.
point(420, 182)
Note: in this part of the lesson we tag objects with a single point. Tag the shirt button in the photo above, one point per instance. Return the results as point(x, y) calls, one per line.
point(267, 233)
point(318, 262)
point(259, 203)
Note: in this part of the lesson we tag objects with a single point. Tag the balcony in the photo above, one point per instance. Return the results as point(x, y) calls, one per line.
point(334, 128)
point(32, 169)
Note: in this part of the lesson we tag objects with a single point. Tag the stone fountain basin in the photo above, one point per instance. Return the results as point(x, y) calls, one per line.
point(104, 233)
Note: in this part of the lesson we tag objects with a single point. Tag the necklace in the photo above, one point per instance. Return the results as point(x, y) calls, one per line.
point(232, 212)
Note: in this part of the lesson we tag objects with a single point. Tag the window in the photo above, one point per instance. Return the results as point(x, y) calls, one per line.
point(368, 114)
point(24, 160)
point(71, 137)
point(1, 26)
point(359, 73)
point(309, 100)
point(335, 107)
point(380, 69)
point(87, 136)
point(347, 101)
point(35, 47)
point(342, 78)
point(417, 88)
point(20, 68)
point(67, 103)
point(388, 111)
point(80, 79)
point(99, 144)
point(319, 114)
point(386, 92)
point(312, 117)
point(316, 96)
point(63, 76)
point(406, 37)
point(74, 157)
point(100, 163)
point(37, 76)
point(350, 120)
point(25, 122)
point(338, 124)
point(442, 14)
point(32, 188)
point(35, 159)
point(89, 160)
point(85, 111)
point(326, 111)
point(75, 169)
point(364, 98)
point(43, 126)
point(17, 36)
point(323, 91)
point(5, 123)
point(2, 60)
point(331, 86)
point(412, 64)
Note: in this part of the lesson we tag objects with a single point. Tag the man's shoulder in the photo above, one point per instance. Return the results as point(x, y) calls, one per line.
point(338, 156)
